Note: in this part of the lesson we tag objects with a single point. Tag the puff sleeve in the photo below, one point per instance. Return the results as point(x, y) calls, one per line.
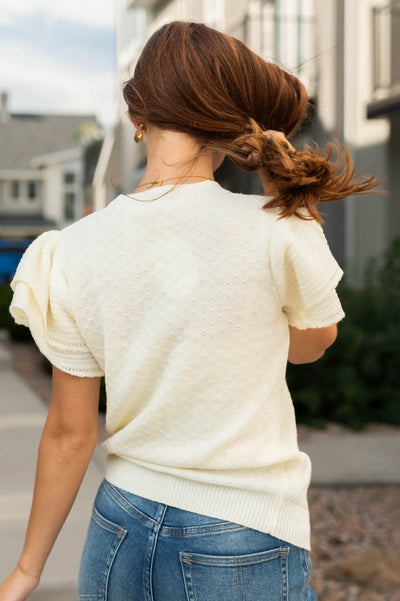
point(41, 301)
point(305, 273)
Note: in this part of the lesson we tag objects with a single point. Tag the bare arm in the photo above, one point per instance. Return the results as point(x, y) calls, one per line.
point(68, 440)
point(307, 346)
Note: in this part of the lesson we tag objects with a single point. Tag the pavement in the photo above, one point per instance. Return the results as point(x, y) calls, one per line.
point(343, 458)
point(22, 416)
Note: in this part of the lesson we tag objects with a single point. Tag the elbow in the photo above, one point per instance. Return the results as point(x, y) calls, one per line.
point(330, 337)
point(70, 442)
point(68, 450)
point(307, 356)
point(78, 444)
point(307, 346)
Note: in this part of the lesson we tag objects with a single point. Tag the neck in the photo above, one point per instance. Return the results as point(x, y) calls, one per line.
point(170, 157)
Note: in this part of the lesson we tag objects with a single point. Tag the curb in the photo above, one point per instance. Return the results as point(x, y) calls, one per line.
point(5, 357)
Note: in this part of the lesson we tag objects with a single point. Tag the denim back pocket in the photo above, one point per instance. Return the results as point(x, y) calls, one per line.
point(254, 577)
point(102, 543)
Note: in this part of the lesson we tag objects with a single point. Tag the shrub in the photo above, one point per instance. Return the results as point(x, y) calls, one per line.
point(357, 381)
point(102, 397)
point(16, 332)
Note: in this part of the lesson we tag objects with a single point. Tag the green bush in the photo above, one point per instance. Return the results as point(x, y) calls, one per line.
point(357, 381)
point(102, 397)
point(16, 332)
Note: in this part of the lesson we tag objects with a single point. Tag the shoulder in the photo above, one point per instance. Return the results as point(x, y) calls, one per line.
point(250, 204)
point(80, 244)
point(293, 229)
point(88, 223)
point(78, 237)
point(297, 230)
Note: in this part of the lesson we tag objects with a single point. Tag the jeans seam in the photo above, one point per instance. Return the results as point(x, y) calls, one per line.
point(102, 523)
point(190, 594)
point(111, 561)
point(225, 526)
point(218, 561)
point(128, 507)
point(239, 576)
point(306, 573)
point(200, 530)
point(284, 561)
point(151, 549)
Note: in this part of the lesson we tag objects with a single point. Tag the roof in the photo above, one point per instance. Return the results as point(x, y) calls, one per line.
point(24, 225)
point(23, 137)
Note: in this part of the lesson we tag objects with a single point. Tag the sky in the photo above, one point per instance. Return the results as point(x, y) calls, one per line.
point(58, 57)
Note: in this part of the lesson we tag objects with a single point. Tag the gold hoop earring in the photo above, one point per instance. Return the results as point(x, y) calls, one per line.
point(139, 133)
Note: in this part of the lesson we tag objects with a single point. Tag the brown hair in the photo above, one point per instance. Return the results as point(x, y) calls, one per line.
point(194, 79)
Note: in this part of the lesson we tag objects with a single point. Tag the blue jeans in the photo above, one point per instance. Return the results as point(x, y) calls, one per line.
point(140, 550)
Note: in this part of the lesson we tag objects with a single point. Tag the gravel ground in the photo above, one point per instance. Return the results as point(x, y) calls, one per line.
point(355, 530)
point(355, 543)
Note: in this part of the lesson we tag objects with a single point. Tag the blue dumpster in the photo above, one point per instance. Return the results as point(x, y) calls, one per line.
point(11, 251)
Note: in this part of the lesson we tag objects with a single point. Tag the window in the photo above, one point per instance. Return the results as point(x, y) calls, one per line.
point(32, 190)
point(69, 177)
point(69, 205)
point(133, 26)
point(386, 45)
point(15, 190)
point(294, 39)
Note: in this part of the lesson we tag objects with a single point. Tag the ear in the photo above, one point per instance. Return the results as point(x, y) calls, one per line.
point(136, 122)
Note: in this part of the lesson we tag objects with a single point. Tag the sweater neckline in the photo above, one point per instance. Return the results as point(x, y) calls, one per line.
point(151, 195)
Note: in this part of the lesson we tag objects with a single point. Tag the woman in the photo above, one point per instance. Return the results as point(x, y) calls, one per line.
point(190, 300)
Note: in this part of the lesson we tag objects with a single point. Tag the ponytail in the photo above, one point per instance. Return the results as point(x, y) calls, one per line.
point(300, 178)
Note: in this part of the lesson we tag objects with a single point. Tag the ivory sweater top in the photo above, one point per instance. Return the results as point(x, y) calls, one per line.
point(184, 303)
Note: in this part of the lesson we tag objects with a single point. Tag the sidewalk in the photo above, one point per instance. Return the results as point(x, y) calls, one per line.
point(341, 458)
point(22, 416)
point(354, 458)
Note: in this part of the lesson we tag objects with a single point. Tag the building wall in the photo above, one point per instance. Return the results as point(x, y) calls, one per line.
point(357, 227)
point(28, 183)
point(58, 189)
point(35, 198)
point(367, 216)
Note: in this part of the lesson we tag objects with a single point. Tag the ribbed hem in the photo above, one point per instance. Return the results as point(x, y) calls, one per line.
point(267, 513)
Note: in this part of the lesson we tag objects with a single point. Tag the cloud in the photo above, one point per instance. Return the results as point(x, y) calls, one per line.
point(39, 83)
point(70, 43)
point(91, 13)
point(54, 65)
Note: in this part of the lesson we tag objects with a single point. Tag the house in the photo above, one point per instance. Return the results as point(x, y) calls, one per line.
point(43, 170)
point(343, 51)
point(357, 51)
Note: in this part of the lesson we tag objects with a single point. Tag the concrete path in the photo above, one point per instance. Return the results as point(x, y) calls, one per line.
point(345, 458)
point(354, 458)
point(22, 416)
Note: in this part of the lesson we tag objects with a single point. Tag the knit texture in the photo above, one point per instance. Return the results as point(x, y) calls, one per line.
point(184, 302)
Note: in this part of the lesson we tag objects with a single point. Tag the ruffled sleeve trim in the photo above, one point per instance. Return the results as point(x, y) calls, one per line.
point(41, 301)
point(305, 274)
